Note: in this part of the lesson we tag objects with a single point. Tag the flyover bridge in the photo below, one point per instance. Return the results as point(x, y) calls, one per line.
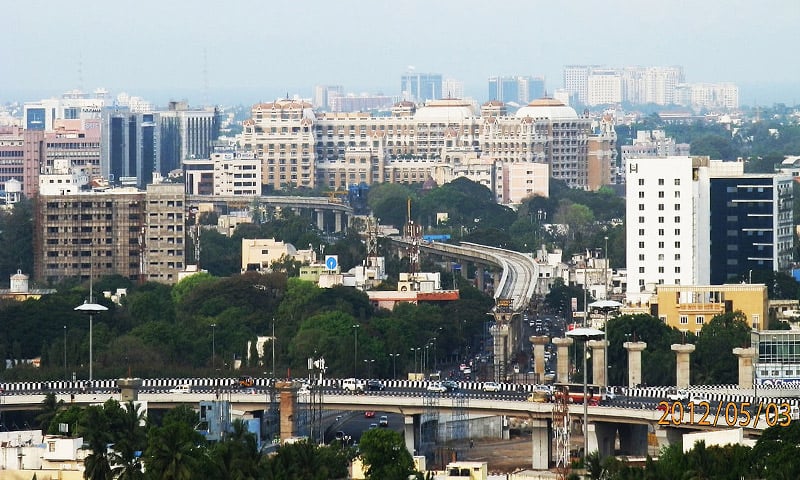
point(515, 286)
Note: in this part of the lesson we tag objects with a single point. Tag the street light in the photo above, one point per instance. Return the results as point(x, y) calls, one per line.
point(584, 335)
point(355, 349)
point(394, 365)
point(369, 363)
point(605, 306)
point(90, 308)
point(66, 375)
point(415, 350)
point(214, 346)
point(605, 270)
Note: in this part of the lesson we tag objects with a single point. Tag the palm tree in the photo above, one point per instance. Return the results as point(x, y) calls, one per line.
point(49, 410)
point(173, 452)
point(131, 439)
point(96, 431)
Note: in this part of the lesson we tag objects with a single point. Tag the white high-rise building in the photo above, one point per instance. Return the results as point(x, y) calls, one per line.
point(604, 87)
point(667, 217)
point(452, 88)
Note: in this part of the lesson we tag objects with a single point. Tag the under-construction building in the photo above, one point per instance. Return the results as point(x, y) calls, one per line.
point(129, 232)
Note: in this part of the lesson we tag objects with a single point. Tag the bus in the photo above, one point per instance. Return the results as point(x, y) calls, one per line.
point(595, 394)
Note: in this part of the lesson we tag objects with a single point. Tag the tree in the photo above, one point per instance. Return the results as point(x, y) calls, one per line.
point(130, 440)
point(777, 452)
point(385, 455)
point(713, 359)
point(172, 449)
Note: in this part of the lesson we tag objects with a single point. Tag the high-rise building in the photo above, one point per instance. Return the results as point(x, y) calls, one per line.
point(751, 225)
point(598, 85)
point(603, 87)
point(649, 143)
point(452, 88)
point(323, 94)
point(519, 90)
point(22, 153)
point(421, 87)
point(185, 133)
point(127, 232)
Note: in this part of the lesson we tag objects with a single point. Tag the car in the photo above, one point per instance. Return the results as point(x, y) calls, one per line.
point(491, 387)
point(304, 389)
point(185, 388)
point(343, 437)
point(677, 395)
point(450, 385)
point(384, 421)
point(373, 425)
point(353, 385)
point(246, 381)
point(375, 385)
point(436, 387)
point(539, 396)
point(369, 414)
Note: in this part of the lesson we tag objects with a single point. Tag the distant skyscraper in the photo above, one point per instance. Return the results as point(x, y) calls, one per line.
point(516, 89)
point(420, 87)
point(452, 88)
point(324, 94)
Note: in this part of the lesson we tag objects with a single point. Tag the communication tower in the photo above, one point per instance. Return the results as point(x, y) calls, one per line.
point(561, 429)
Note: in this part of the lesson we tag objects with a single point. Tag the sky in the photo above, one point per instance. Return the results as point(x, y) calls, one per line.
point(250, 51)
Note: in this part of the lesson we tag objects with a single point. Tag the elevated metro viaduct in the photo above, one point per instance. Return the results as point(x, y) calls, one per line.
point(321, 208)
point(515, 278)
point(605, 424)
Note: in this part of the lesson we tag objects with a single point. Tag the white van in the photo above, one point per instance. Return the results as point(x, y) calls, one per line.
point(353, 385)
point(185, 388)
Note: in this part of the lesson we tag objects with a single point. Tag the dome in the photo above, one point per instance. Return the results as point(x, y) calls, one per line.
point(448, 110)
point(547, 108)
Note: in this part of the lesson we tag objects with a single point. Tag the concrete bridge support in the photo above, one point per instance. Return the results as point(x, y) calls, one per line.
point(320, 220)
point(287, 395)
point(562, 358)
point(666, 436)
point(479, 278)
point(746, 356)
point(539, 343)
point(634, 362)
point(410, 429)
point(500, 334)
point(541, 444)
point(682, 351)
point(632, 439)
point(602, 436)
point(337, 219)
point(598, 361)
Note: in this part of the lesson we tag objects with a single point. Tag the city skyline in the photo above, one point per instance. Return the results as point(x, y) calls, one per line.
point(255, 51)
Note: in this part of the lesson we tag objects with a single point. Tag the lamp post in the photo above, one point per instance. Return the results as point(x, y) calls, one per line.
point(214, 347)
point(369, 363)
point(66, 377)
point(355, 349)
point(90, 308)
point(605, 270)
point(394, 365)
point(415, 350)
point(584, 335)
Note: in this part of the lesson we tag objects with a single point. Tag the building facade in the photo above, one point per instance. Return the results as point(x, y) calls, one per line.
point(22, 153)
point(751, 225)
point(125, 231)
point(421, 87)
point(520, 90)
point(689, 307)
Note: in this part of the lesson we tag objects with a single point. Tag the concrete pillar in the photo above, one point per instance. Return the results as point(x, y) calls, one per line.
point(746, 356)
point(601, 438)
point(539, 343)
point(541, 446)
point(634, 362)
point(598, 348)
point(129, 389)
point(500, 345)
point(562, 358)
point(337, 218)
point(464, 269)
point(320, 220)
point(287, 395)
point(682, 351)
point(632, 439)
point(496, 279)
point(408, 433)
point(666, 436)
point(479, 278)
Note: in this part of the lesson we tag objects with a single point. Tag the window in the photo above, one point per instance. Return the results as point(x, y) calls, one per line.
point(661, 181)
point(660, 269)
point(677, 194)
point(641, 181)
point(641, 231)
point(641, 206)
point(677, 256)
point(661, 232)
point(661, 194)
point(661, 256)
point(756, 321)
point(699, 320)
point(677, 244)
point(641, 244)
point(641, 257)
point(660, 244)
point(661, 206)
point(641, 219)
point(684, 319)
point(641, 194)
point(641, 269)
point(677, 269)
point(677, 181)
point(660, 219)
point(677, 231)
point(677, 206)
point(677, 219)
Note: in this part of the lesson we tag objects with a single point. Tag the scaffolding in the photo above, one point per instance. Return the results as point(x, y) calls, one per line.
point(561, 431)
point(458, 426)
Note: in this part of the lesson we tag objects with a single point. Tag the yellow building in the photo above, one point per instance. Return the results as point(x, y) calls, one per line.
point(689, 307)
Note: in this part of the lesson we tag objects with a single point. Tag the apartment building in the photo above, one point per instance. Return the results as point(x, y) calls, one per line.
point(647, 144)
point(124, 231)
point(229, 172)
point(21, 154)
point(689, 307)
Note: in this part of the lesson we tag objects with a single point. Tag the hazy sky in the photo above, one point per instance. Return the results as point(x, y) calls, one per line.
point(256, 50)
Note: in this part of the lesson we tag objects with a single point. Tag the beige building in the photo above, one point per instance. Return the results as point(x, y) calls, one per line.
point(258, 254)
point(164, 233)
point(298, 147)
point(689, 307)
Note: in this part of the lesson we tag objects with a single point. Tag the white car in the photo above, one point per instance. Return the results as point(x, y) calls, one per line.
point(185, 388)
point(436, 387)
point(491, 387)
point(675, 395)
